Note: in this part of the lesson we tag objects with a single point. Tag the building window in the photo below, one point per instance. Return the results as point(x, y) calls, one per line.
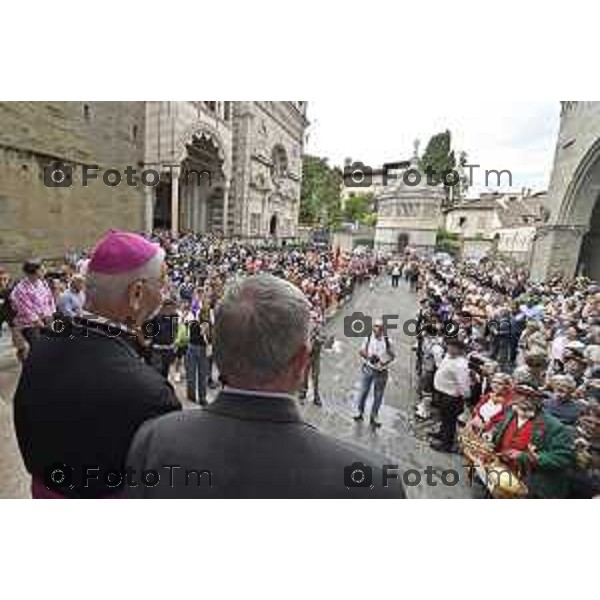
point(254, 223)
point(462, 221)
point(280, 163)
point(134, 133)
point(86, 112)
point(227, 111)
point(211, 106)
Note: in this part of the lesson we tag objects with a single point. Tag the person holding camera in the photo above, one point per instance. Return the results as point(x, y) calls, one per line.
point(377, 354)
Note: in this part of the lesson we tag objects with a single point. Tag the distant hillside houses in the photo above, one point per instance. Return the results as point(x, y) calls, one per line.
point(499, 222)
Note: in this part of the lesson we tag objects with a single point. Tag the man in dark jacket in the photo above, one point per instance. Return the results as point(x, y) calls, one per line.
point(251, 442)
point(85, 388)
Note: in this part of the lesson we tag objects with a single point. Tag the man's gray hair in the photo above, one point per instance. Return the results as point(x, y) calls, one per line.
point(260, 326)
point(103, 288)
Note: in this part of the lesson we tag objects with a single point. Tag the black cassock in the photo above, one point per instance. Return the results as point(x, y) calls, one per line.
point(79, 401)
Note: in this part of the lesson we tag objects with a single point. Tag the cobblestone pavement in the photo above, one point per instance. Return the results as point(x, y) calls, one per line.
point(14, 480)
point(400, 438)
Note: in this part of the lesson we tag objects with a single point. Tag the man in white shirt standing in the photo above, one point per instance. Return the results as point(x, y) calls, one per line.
point(377, 353)
point(452, 385)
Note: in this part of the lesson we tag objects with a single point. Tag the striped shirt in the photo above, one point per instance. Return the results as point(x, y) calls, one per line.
point(32, 301)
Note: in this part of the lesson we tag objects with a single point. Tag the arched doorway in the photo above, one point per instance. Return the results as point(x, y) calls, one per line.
point(161, 212)
point(201, 185)
point(402, 242)
point(273, 226)
point(589, 256)
point(200, 191)
point(568, 244)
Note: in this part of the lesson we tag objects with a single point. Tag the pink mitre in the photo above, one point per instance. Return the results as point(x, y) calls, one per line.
point(121, 252)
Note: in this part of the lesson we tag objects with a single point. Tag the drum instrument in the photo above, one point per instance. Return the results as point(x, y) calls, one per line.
point(499, 479)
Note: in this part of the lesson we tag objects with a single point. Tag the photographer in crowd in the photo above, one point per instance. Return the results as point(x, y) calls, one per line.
point(377, 354)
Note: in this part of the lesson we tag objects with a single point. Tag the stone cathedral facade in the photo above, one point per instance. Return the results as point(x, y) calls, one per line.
point(222, 166)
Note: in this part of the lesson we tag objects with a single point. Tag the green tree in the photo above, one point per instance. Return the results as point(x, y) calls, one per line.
point(439, 157)
point(358, 208)
point(320, 192)
point(446, 241)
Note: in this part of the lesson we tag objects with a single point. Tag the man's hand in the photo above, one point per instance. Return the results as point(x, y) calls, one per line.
point(532, 452)
point(511, 455)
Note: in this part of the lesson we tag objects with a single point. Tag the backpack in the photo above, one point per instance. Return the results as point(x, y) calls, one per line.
point(387, 344)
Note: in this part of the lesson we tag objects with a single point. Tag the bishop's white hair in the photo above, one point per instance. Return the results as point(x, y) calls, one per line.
point(103, 288)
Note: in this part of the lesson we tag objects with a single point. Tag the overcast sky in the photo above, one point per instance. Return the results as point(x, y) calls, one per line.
point(518, 136)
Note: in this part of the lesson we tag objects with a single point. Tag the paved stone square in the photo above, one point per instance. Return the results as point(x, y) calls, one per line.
point(400, 438)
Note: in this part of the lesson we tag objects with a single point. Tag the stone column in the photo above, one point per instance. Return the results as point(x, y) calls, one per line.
point(556, 250)
point(148, 208)
point(225, 208)
point(195, 200)
point(202, 210)
point(175, 202)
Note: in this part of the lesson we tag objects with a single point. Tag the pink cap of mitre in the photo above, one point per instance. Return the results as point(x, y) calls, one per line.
point(121, 252)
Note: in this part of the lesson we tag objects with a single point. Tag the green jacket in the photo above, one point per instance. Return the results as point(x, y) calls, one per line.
point(549, 477)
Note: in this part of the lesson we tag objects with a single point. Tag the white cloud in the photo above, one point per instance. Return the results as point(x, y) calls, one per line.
point(518, 136)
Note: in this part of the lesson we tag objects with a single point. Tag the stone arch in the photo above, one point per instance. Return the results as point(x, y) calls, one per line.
point(572, 227)
point(199, 130)
point(582, 191)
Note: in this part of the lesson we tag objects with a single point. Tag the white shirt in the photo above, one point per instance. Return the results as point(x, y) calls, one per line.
point(254, 393)
point(558, 347)
point(452, 377)
point(489, 410)
point(376, 347)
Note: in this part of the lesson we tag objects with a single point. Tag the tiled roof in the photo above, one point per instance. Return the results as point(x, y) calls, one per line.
point(514, 212)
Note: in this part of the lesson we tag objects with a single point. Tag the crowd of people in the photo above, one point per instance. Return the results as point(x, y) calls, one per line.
point(196, 273)
point(94, 396)
point(513, 363)
point(516, 363)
